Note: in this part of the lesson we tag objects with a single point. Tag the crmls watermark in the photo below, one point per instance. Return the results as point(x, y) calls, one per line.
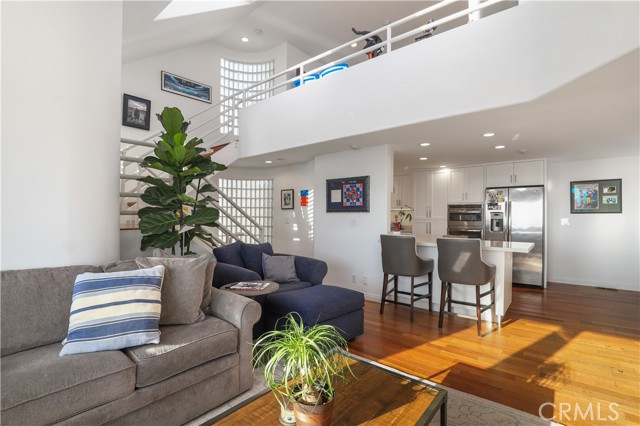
point(575, 411)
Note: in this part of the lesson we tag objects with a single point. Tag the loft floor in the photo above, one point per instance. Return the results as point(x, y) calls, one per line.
point(568, 345)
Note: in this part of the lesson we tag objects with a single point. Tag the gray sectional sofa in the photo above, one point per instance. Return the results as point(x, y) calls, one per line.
point(193, 369)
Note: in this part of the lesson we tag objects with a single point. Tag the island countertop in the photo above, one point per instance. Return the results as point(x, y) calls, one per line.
point(502, 246)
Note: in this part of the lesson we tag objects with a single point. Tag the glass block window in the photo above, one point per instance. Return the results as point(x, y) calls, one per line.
point(254, 196)
point(235, 76)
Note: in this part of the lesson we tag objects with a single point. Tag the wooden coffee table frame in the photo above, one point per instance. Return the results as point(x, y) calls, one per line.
point(267, 412)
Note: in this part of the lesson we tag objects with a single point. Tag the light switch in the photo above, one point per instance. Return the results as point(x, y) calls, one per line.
point(564, 221)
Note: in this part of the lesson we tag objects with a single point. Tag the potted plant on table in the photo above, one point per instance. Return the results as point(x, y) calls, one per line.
point(300, 366)
point(398, 218)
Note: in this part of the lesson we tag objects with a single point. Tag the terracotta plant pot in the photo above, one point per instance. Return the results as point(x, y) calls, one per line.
point(313, 415)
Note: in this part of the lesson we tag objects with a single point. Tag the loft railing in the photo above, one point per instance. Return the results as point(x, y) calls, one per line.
point(211, 121)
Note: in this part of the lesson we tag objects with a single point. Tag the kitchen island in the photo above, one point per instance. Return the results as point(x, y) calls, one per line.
point(498, 253)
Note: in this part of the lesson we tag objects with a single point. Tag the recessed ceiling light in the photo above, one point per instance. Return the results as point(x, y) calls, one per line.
point(499, 147)
point(442, 167)
point(244, 40)
point(489, 135)
point(425, 144)
point(423, 158)
point(268, 161)
point(354, 44)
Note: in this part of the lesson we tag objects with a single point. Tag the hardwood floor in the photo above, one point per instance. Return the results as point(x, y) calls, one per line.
point(575, 348)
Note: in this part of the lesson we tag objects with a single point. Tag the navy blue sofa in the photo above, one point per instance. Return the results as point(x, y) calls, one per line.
point(316, 303)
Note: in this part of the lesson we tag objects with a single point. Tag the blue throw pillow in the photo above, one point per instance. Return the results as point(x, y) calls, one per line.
point(231, 254)
point(252, 255)
point(114, 310)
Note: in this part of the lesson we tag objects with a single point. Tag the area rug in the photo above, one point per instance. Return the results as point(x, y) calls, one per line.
point(463, 409)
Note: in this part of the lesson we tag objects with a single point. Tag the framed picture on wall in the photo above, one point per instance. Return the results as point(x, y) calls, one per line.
point(184, 87)
point(286, 199)
point(596, 196)
point(348, 194)
point(136, 112)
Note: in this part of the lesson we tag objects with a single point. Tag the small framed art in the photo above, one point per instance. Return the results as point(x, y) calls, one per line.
point(185, 87)
point(596, 196)
point(136, 112)
point(286, 199)
point(348, 194)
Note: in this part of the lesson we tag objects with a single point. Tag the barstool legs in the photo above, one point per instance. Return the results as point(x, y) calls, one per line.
point(385, 282)
point(443, 297)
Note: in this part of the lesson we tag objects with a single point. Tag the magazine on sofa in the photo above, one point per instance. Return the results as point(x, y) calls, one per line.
point(246, 285)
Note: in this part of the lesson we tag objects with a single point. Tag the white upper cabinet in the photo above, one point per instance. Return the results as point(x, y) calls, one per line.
point(466, 184)
point(439, 194)
point(515, 174)
point(402, 193)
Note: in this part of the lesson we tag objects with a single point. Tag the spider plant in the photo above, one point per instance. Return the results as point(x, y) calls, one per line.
point(301, 363)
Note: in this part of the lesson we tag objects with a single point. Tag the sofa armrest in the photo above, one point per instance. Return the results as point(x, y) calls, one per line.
point(310, 270)
point(242, 313)
point(226, 273)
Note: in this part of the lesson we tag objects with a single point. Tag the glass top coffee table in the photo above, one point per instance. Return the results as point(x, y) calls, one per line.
point(375, 396)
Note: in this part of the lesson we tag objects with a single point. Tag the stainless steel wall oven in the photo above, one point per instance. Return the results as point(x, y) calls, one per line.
point(465, 220)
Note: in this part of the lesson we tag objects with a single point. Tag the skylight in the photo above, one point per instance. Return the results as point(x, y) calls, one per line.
point(190, 7)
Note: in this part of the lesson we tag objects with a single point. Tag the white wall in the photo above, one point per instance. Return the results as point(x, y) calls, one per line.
point(350, 242)
point(595, 249)
point(61, 107)
point(504, 59)
point(287, 224)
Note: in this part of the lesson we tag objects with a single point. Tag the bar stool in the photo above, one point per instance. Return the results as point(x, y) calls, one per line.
point(399, 258)
point(460, 262)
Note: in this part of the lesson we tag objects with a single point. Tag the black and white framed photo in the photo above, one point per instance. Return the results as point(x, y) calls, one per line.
point(185, 87)
point(286, 199)
point(348, 194)
point(136, 112)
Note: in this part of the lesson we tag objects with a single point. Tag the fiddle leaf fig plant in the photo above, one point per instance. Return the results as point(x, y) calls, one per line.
point(178, 209)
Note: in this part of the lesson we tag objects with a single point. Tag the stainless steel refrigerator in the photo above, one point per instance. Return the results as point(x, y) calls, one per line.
point(517, 214)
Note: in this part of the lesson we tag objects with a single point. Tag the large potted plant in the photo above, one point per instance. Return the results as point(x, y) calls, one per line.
point(178, 209)
point(301, 365)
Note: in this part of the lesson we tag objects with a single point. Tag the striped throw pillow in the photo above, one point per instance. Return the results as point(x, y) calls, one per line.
point(114, 310)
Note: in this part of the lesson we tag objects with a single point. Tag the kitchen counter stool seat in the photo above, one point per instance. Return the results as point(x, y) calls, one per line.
point(460, 262)
point(399, 258)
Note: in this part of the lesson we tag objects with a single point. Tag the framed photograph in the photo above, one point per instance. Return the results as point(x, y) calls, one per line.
point(348, 194)
point(596, 196)
point(136, 112)
point(185, 87)
point(286, 199)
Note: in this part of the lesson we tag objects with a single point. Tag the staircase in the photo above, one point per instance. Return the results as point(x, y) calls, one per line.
point(224, 146)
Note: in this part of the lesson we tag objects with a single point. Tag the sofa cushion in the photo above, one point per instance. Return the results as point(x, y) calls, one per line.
point(120, 265)
point(182, 289)
point(183, 347)
point(316, 303)
point(281, 269)
point(208, 281)
point(40, 387)
point(252, 256)
point(114, 310)
point(35, 306)
point(293, 285)
point(231, 254)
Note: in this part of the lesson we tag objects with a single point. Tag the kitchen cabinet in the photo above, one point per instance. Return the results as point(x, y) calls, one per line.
point(430, 189)
point(466, 185)
point(402, 194)
point(515, 174)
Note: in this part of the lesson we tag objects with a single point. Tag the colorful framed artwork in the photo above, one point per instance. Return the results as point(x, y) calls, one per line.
point(136, 112)
point(184, 87)
point(348, 194)
point(286, 199)
point(596, 196)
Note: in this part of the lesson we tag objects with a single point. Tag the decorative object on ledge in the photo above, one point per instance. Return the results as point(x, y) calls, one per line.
point(596, 196)
point(136, 112)
point(286, 199)
point(185, 87)
point(348, 194)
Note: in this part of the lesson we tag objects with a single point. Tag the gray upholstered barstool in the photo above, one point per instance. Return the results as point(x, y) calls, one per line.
point(399, 258)
point(460, 262)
